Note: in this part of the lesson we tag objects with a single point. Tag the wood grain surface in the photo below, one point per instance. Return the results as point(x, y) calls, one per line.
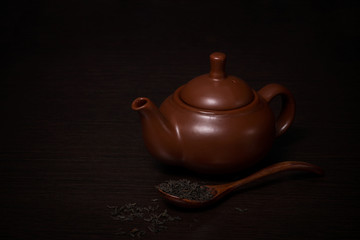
point(71, 145)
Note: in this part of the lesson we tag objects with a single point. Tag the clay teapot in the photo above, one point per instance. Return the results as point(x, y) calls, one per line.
point(215, 123)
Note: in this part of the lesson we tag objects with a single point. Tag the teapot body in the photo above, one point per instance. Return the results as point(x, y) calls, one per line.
point(220, 141)
point(215, 123)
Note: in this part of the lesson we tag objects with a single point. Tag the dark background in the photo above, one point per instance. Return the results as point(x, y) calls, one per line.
point(71, 145)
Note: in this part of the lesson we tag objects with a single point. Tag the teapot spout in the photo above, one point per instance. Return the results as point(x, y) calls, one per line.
point(160, 137)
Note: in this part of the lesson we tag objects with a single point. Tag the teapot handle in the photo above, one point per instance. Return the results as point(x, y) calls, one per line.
point(287, 113)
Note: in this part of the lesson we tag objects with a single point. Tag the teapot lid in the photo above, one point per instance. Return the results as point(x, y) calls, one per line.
point(216, 90)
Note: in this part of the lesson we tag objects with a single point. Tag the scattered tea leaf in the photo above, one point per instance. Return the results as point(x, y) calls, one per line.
point(150, 216)
point(241, 210)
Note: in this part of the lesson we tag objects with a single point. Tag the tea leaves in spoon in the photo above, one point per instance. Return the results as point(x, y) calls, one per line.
point(186, 189)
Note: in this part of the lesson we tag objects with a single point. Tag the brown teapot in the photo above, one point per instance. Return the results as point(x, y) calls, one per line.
point(215, 123)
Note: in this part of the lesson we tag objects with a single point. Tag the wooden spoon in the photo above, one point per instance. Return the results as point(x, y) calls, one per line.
point(219, 191)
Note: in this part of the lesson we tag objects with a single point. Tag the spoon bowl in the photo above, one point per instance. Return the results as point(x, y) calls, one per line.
point(221, 190)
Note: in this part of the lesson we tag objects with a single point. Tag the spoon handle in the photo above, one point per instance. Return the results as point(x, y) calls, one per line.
point(275, 168)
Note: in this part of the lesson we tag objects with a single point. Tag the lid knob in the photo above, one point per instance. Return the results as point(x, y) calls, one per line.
point(217, 65)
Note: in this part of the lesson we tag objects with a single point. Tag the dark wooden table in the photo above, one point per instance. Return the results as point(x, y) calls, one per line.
point(71, 145)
